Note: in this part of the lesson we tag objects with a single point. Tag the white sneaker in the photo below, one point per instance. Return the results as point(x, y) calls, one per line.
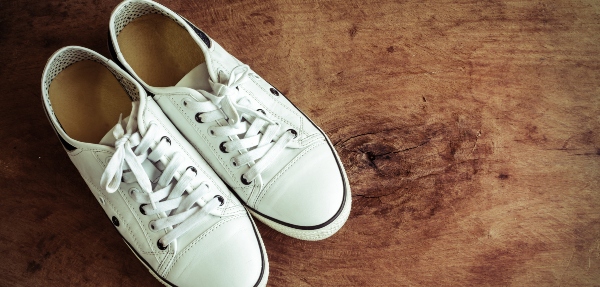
point(277, 161)
point(171, 209)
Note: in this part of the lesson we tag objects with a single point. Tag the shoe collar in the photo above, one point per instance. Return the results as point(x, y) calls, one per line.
point(130, 10)
point(69, 55)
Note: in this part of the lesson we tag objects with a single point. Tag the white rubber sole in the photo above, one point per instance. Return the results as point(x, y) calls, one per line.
point(315, 234)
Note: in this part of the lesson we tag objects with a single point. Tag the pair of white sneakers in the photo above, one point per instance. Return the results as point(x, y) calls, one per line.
point(200, 142)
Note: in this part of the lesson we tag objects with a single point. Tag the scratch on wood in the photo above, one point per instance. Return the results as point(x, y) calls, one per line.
point(476, 139)
point(597, 247)
point(402, 150)
point(566, 268)
point(352, 137)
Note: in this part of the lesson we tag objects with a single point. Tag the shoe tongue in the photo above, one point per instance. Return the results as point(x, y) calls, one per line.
point(109, 139)
point(196, 79)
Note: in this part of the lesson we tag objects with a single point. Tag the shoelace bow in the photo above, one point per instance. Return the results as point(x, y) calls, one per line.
point(253, 134)
point(176, 194)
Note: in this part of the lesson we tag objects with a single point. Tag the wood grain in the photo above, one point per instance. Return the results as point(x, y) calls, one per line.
point(470, 131)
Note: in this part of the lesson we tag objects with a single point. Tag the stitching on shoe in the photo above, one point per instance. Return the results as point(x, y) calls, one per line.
point(255, 189)
point(288, 166)
point(281, 104)
point(102, 163)
point(198, 239)
point(224, 211)
point(76, 152)
point(206, 141)
point(115, 210)
point(190, 262)
point(132, 210)
point(188, 119)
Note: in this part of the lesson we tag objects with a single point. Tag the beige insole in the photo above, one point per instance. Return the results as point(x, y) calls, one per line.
point(87, 99)
point(159, 50)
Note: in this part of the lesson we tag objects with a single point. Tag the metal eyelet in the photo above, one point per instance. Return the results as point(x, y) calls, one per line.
point(237, 88)
point(223, 148)
point(192, 169)
point(151, 225)
point(115, 221)
point(244, 181)
point(198, 118)
point(211, 132)
point(101, 200)
point(294, 132)
point(142, 211)
point(221, 199)
point(274, 92)
point(160, 245)
point(233, 162)
point(166, 138)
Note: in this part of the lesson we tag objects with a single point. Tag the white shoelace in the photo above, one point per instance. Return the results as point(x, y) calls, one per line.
point(256, 137)
point(178, 192)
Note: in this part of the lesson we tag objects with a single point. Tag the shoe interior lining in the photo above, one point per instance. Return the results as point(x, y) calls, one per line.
point(159, 50)
point(87, 100)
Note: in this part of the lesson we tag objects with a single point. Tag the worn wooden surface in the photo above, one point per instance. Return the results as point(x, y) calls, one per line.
point(470, 131)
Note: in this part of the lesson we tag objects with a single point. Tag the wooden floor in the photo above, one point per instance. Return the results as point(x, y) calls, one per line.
point(470, 131)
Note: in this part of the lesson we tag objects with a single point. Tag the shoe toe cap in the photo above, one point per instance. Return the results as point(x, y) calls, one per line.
point(309, 193)
point(229, 255)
